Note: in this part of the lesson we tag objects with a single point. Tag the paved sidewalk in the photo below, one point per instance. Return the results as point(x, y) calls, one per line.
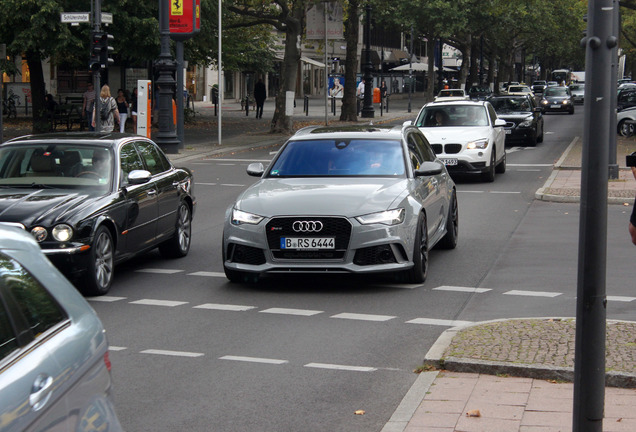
point(515, 375)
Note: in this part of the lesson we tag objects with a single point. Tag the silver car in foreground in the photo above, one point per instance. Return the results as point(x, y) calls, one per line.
point(54, 365)
point(357, 199)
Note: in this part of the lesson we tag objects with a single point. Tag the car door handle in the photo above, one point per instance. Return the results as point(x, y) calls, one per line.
point(41, 391)
point(152, 192)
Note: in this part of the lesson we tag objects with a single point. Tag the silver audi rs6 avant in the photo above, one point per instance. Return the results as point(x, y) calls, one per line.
point(356, 199)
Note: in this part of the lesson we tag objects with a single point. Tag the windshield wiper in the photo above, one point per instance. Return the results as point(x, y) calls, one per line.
point(41, 186)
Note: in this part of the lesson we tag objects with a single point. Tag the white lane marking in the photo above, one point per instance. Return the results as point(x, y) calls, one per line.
point(438, 322)
point(158, 271)
point(530, 165)
point(533, 293)
point(172, 353)
point(340, 367)
point(205, 184)
point(225, 307)
point(106, 299)
point(469, 191)
point(231, 184)
point(621, 298)
point(461, 289)
point(253, 359)
point(152, 302)
point(227, 164)
point(285, 311)
point(528, 170)
point(504, 192)
point(117, 348)
point(207, 274)
point(363, 317)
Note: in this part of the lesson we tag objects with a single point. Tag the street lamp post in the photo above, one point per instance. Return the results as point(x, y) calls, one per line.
point(367, 107)
point(165, 65)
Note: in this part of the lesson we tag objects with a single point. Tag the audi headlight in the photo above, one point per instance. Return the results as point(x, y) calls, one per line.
point(39, 233)
point(478, 144)
point(62, 232)
point(240, 217)
point(388, 217)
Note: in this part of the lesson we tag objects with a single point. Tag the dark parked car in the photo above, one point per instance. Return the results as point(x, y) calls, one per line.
point(538, 86)
point(558, 99)
point(54, 360)
point(524, 119)
point(93, 200)
point(479, 92)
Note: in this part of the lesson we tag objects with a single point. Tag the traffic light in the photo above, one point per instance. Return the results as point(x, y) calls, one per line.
point(105, 59)
point(100, 50)
point(96, 49)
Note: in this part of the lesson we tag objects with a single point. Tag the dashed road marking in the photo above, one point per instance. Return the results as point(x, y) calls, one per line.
point(232, 184)
point(172, 353)
point(462, 289)
point(153, 302)
point(105, 299)
point(225, 307)
point(363, 317)
point(254, 359)
point(341, 367)
point(205, 184)
point(620, 298)
point(439, 322)
point(285, 311)
point(530, 165)
point(533, 293)
point(158, 271)
point(207, 274)
point(117, 348)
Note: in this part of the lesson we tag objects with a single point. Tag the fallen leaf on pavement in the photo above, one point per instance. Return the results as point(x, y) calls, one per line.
point(473, 413)
point(359, 412)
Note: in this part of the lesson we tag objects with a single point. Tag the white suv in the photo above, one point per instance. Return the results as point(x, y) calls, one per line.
point(466, 135)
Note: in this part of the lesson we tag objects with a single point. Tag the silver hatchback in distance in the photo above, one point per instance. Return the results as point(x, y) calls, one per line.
point(357, 199)
point(54, 364)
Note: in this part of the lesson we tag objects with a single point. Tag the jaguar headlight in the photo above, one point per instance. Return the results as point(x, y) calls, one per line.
point(478, 144)
point(62, 232)
point(39, 233)
point(388, 217)
point(240, 217)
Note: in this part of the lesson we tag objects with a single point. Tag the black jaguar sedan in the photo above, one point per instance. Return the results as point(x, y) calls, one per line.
point(93, 200)
point(524, 119)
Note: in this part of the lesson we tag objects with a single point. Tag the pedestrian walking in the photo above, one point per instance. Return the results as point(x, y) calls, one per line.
point(108, 113)
point(88, 102)
point(260, 94)
point(122, 107)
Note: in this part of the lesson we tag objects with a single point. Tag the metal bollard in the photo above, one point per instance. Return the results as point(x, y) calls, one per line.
point(306, 106)
point(247, 105)
point(333, 106)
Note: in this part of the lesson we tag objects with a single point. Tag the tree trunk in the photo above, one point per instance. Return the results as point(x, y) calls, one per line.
point(352, 27)
point(281, 122)
point(430, 53)
point(473, 76)
point(467, 54)
point(40, 123)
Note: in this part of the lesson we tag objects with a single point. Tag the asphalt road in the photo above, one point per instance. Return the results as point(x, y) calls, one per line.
point(190, 351)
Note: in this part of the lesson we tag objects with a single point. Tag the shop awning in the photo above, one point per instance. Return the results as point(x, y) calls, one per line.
point(312, 62)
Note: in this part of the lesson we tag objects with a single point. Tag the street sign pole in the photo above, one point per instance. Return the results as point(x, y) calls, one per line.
point(591, 303)
point(97, 14)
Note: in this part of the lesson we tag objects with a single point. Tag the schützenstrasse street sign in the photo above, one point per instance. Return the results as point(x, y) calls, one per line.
point(77, 17)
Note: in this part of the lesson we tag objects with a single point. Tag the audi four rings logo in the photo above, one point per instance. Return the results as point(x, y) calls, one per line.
point(307, 226)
